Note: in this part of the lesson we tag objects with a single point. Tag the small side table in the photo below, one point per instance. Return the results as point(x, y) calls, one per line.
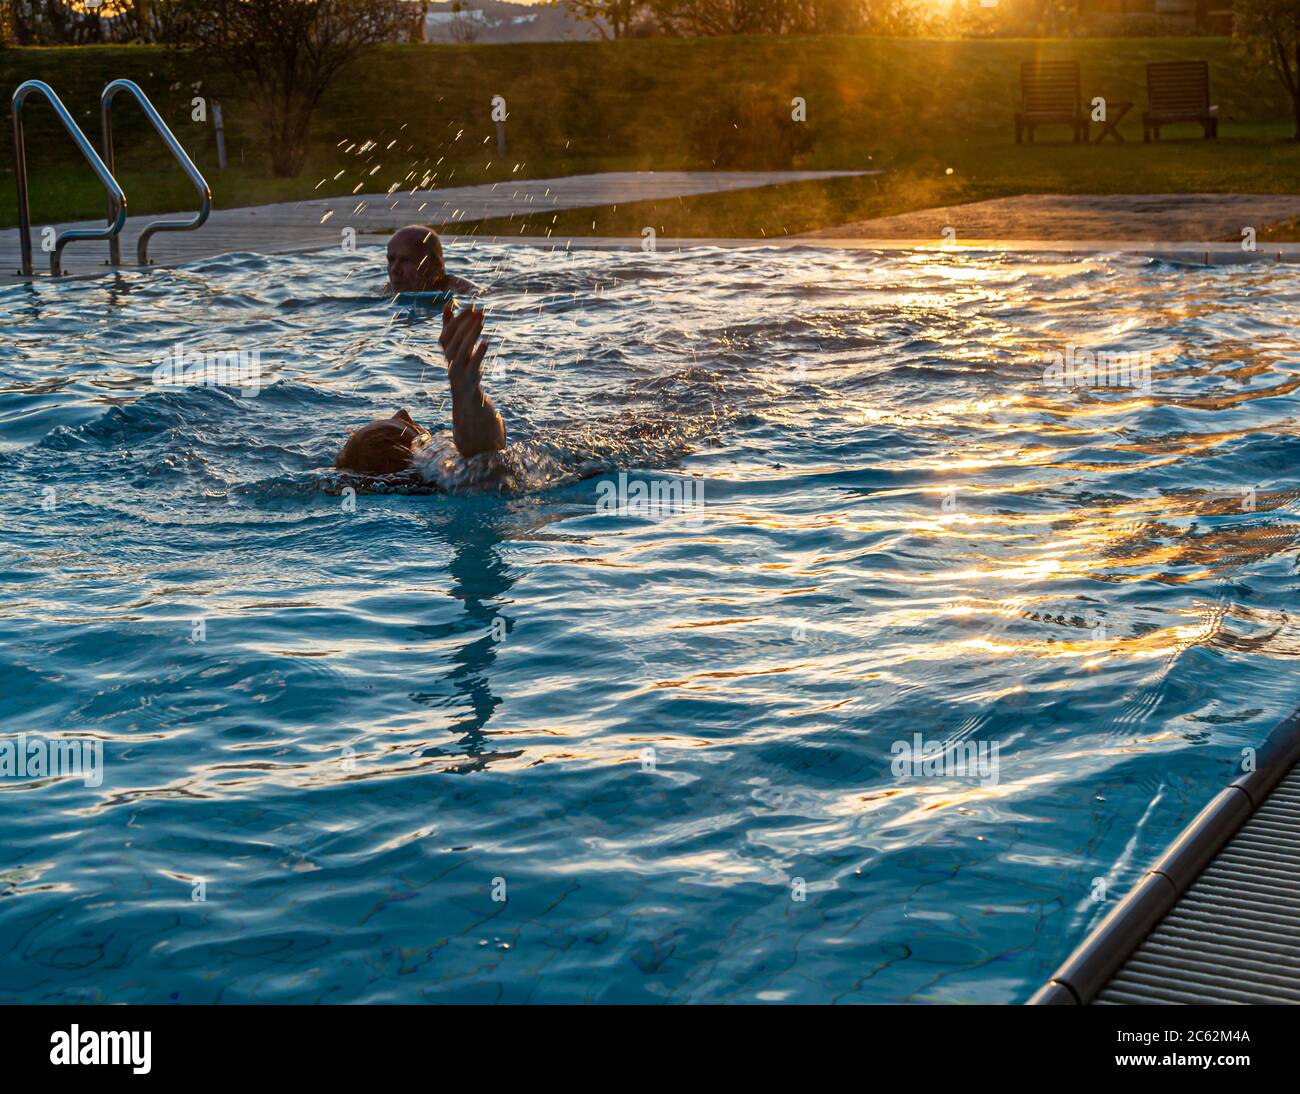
point(1115, 111)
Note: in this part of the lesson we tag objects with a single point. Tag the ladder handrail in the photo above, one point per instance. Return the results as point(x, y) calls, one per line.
point(117, 199)
point(181, 156)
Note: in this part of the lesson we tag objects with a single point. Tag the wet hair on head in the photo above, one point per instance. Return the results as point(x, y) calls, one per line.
point(380, 448)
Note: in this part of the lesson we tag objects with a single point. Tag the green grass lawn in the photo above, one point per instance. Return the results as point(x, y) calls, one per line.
point(917, 108)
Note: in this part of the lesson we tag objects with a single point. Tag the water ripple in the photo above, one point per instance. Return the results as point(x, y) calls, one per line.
point(352, 727)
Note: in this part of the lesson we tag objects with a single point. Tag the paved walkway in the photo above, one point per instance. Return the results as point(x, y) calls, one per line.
point(1162, 218)
point(1169, 225)
point(307, 225)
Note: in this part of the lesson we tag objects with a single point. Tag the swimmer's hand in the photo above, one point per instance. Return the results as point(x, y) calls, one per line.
point(476, 425)
point(459, 334)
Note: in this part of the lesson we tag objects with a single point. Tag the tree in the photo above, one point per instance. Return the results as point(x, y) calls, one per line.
point(612, 18)
point(463, 28)
point(419, 14)
point(141, 20)
point(56, 22)
point(689, 18)
point(289, 52)
point(829, 16)
point(1271, 29)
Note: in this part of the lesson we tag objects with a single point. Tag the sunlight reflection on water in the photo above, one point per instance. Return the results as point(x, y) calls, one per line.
point(904, 530)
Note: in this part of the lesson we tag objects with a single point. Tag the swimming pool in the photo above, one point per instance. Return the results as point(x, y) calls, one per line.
point(673, 737)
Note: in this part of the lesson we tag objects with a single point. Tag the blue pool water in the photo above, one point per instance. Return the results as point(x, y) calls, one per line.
point(649, 732)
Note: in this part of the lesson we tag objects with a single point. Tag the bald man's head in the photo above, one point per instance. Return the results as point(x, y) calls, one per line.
point(415, 260)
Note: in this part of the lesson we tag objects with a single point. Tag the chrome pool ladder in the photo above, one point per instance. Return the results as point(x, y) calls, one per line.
point(181, 156)
point(104, 171)
point(117, 199)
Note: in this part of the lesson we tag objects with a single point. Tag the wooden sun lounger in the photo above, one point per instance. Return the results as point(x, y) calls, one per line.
point(1179, 91)
point(1049, 95)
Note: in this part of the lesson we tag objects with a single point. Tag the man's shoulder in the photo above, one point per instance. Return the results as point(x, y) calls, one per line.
point(461, 285)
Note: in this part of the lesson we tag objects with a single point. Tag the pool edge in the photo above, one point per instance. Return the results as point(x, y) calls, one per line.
point(1092, 964)
point(1201, 253)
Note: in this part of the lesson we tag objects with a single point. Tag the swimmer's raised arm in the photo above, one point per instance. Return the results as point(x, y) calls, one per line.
point(476, 425)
